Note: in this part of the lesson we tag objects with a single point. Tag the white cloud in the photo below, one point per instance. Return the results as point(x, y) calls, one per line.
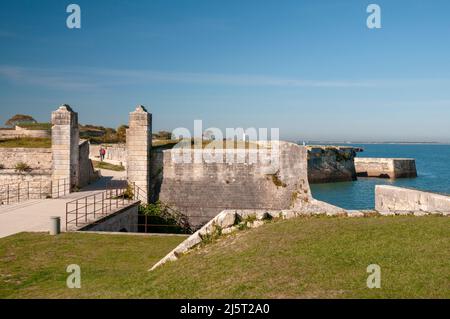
point(86, 78)
point(72, 78)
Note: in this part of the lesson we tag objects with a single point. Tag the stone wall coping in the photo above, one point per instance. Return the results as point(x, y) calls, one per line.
point(34, 172)
point(383, 159)
point(26, 149)
point(411, 189)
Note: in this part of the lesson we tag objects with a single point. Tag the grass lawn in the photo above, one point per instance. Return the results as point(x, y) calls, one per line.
point(108, 166)
point(33, 265)
point(27, 142)
point(315, 257)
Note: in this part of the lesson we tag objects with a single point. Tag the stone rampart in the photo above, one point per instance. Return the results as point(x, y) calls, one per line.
point(36, 158)
point(386, 167)
point(19, 132)
point(123, 220)
point(204, 188)
point(397, 199)
point(328, 164)
point(86, 172)
point(115, 153)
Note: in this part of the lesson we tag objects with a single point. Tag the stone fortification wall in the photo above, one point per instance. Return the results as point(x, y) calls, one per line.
point(123, 220)
point(19, 132)
point(397, 199)
point(115, 153)
point(328, 164)
point(202, 189)
point(36, 158)
point(386, 167)
point(86, 172)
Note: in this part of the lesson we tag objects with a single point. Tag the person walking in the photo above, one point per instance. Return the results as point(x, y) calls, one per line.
point(102, 153)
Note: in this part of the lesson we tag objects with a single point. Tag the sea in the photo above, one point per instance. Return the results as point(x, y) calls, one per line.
point(433, 169)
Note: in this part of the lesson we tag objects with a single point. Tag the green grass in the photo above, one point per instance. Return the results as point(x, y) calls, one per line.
point(27, 142)
point(108, 166)
point(33, 265)
point(299, 258)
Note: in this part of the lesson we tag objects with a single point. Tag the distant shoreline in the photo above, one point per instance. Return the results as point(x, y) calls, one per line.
point(374, 143)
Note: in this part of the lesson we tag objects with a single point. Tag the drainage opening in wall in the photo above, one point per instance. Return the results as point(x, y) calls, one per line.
point(160, 218)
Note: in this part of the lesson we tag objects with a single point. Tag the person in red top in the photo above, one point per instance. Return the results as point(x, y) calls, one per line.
point(102, 153)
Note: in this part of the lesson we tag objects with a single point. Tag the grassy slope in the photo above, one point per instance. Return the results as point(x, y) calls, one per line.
point(33, 265)
point(27, 142)
point(319, 258)
point(301, 258)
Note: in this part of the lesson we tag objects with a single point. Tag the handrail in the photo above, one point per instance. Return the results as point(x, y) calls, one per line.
point(17, 192)
point(118, 194)
point(80, 210)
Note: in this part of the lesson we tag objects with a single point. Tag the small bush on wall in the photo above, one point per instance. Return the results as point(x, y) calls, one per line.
point(22, 167)
point(160, 218)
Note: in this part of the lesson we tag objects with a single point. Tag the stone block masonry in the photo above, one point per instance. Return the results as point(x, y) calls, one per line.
point(202, 190)
point(139, 143)
point(35, 158)
point(19, 132)
point(65, 141)
point(115, 153)
point(329, 164)
point(86, 172)
point(386, 167)
point(122, 220)
point(397, 199)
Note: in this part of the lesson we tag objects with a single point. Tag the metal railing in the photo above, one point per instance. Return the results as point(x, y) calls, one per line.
point(118, 194)
point(60, 187)
point(85, 210)
point(19, 192)
point(133, 190)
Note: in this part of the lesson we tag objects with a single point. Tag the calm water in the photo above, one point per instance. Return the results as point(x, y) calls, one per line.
point(433, 168)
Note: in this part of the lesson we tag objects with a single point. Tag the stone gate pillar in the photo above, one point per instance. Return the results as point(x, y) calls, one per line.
point(65, 140)
point(139, 143)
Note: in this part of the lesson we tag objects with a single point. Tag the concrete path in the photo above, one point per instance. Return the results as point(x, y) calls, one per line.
point(34, 215)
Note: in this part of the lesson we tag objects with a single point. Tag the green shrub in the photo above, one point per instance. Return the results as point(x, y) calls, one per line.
point(160, 218)
point(22, 167)
point(276, 180)
point(209, 238)
point(129, 194)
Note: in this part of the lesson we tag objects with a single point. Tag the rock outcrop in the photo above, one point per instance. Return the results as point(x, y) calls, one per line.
point(329, 164)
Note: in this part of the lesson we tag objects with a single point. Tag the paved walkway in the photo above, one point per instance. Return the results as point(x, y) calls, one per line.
point(34, 215)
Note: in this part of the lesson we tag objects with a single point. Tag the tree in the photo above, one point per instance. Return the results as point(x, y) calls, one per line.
point(20, 119)
point(163, 135)
point(122, 133)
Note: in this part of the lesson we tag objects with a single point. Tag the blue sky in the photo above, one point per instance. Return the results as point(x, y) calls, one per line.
point(311, 68)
